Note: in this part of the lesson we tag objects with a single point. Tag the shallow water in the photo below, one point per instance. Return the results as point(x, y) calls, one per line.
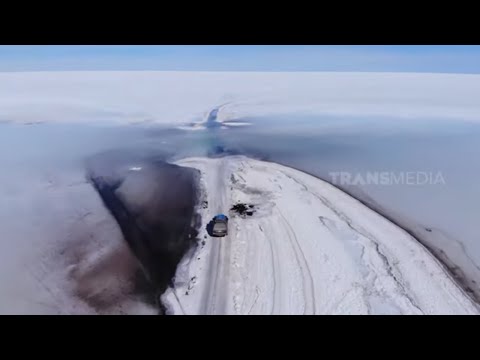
point(316, 144)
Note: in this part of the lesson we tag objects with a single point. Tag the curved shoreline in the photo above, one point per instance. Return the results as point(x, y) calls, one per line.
point(461, 280)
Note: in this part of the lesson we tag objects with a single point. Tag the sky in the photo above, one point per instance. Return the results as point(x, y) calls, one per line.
point(368, 58)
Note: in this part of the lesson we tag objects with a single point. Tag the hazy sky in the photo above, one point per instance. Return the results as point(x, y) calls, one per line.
point(419, 58)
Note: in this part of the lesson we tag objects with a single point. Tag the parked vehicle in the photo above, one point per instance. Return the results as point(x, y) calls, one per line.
point(220, 225)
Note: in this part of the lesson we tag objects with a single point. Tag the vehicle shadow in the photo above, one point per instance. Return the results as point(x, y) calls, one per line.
point(209, 228)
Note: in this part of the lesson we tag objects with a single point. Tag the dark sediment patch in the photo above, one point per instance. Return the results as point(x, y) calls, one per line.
point(153, 203)
point(243, 209)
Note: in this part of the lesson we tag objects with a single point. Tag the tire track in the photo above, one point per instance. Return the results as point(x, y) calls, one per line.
point(215, 302)
point(307, 279)
point(276, 280)
point(275, 266)
point(388, 266)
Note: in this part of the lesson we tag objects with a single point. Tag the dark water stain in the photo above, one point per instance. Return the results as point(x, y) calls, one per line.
point(212, 122)
point(153, 203)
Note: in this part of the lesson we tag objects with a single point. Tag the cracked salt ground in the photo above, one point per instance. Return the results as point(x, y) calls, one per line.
point(308, 249)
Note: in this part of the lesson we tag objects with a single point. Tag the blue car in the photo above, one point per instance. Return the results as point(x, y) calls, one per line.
point(220, 225)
